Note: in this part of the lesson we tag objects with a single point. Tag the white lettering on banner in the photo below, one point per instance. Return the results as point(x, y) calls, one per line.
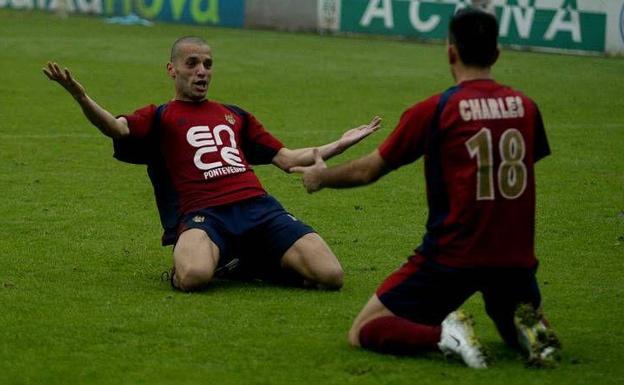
point(559, 24)
point(82, 6)
point(378, 8)
point(566, 20)
point(418, 23)
point(523, 18)
point(210, 141)
point(67, 5)
point(23, 4)
point(89, 6)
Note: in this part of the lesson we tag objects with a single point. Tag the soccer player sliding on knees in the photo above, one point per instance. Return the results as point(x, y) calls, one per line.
point(480, 141)
point(212, 206)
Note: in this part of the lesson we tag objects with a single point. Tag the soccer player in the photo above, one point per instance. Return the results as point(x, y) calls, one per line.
point(205, 182)
point(480, 140)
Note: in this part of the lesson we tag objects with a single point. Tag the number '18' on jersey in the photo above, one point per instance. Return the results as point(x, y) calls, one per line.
point(480, 141)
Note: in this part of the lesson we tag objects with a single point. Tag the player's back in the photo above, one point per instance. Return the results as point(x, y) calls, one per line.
point(484, 141)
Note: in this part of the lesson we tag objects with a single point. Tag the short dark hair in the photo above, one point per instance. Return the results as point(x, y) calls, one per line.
point(184, 40)
point(475, 34)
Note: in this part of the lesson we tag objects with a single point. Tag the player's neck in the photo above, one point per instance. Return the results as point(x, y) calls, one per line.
point(188, 100)
point(463, 73)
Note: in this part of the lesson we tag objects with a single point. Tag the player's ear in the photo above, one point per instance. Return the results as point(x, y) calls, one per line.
point(171, 70)
point(451, 52)
point(496, 54)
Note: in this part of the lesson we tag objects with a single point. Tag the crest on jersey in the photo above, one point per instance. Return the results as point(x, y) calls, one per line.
point(198, 219)
point(230, 118)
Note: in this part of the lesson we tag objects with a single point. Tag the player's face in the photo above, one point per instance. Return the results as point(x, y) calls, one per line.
point(191, 71)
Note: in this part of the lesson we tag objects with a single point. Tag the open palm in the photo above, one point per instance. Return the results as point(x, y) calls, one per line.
point(64, 78)
point(354, 135)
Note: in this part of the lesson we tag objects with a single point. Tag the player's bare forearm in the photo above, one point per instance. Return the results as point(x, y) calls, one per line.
point(98, 116)
point(359, 172)
point(102, 119)
point(286, 159)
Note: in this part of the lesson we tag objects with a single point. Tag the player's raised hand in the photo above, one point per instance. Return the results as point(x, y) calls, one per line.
point(65, 79)
point(354, 135)
point(312, 174)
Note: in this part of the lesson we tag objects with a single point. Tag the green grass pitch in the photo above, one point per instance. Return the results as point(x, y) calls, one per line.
point(81, 298)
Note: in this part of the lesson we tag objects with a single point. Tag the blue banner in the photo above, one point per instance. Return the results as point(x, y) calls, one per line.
point(230, 13)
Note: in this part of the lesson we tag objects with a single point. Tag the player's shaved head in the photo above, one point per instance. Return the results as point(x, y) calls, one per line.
point(175, 48)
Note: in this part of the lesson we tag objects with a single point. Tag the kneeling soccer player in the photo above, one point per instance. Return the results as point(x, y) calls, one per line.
point(199, 156)
point(480, 141)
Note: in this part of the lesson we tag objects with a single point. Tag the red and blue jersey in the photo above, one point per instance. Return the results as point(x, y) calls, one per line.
point(480, 141)
point(207, 149)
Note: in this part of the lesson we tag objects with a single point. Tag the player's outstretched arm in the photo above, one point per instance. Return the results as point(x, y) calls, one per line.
point(359, 172)
point(99, 117)
point(286, 158)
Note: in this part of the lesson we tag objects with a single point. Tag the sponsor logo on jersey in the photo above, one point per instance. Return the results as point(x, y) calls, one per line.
point(220, 140)
point(230, 119)
point(199, 219)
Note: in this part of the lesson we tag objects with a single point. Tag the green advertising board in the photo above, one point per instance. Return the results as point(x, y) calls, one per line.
point(528, 23)
point(229, 13)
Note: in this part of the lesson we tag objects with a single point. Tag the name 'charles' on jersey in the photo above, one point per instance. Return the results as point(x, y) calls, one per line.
point(480, 141)
point(207, 148)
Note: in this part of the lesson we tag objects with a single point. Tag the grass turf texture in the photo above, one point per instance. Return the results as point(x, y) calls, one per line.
point(80, 289)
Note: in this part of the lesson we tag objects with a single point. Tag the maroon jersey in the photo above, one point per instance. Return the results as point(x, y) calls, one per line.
point(207, 149)
point(479, 140)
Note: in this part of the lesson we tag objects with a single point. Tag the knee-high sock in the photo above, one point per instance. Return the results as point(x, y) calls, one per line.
point(396, 335)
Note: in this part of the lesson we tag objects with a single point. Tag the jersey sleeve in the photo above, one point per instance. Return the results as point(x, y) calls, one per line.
point(541, 146)
point(140, 122)
point(407, 142)
point(259, 146)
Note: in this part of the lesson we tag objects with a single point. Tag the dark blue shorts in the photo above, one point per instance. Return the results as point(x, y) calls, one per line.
point(258, 231)
point(426, 292)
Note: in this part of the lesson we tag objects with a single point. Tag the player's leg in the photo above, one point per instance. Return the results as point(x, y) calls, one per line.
point(195, 259)
point(413, 311)
point(372, 310)
point(377, 328)
point(290, 250)
point(504, 290)
point(312, 258)
point(513, 301)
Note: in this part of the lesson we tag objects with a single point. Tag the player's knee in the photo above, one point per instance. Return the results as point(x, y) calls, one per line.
point(192, 278)
point(354, 336)
point(332, 278)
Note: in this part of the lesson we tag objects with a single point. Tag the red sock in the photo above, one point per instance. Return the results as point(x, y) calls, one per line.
point(396, 335)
